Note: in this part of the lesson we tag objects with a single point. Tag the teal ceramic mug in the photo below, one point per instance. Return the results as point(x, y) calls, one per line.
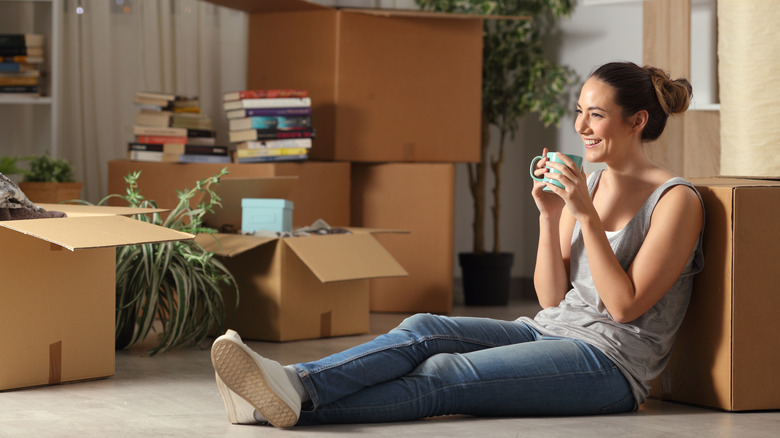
point(553, 156)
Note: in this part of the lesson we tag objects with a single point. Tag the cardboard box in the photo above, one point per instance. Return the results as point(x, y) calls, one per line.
point(301, 287)
point(386, 85)
point(322, 190)
point(419, 198)
point(58, 294)
point(727, 350)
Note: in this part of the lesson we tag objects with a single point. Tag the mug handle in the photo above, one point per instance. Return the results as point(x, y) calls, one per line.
point(533, 167)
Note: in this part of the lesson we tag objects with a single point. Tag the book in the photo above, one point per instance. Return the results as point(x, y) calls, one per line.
point(270, 122)
point(268, 134)
point(159, 131)
point(268, 112)
point(155, 95)
point(21, 39)
point(23, 80)
point(191, 121)
point(264, 94)
point(16, 67)
point(153, 118)
point(163, 157)
point(178, 148)
point(18, 90)
point(281, 143)
point(22, 59)
point(21, 51)
point(282, 102)
point(270, 152)
point(202, 141)
point(193, 133)
point(159, 139)
point(272, 158)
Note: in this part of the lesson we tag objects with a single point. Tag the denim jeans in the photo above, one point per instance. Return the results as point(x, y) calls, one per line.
point(436, 365)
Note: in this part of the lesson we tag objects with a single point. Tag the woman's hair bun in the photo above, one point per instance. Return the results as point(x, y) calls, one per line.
point(673, 95)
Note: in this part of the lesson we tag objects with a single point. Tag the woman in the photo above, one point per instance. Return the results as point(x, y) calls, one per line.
point(617, 253)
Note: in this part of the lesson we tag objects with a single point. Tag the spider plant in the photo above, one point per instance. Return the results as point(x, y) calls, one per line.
point(178, 284)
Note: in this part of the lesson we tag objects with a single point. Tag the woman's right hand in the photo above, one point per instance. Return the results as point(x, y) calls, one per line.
point(549, 204)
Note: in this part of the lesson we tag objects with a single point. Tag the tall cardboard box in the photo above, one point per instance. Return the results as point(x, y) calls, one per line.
point(57, 300)
point(727, 350)
point(419, 198)
point(385, 85)
point(301, 287)
point(321, 190)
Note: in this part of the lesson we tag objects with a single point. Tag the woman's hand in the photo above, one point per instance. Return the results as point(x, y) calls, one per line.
point(575, 194)
point(549, 205)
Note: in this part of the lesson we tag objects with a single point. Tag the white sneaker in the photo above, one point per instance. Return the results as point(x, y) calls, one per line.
point(250, 379)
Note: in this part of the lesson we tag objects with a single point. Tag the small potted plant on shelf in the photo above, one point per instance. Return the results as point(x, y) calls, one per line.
point(176, 286)
point(516, 80)
point(49, 180)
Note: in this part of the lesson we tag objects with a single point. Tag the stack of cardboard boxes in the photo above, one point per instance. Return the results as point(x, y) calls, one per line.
point(396, 99)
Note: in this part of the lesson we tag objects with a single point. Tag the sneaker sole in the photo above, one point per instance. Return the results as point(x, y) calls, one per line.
point(243, 376)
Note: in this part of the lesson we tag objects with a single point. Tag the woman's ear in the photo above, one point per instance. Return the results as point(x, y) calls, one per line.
point(639, 120)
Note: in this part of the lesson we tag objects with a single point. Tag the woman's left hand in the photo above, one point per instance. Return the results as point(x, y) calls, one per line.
point(575, 181)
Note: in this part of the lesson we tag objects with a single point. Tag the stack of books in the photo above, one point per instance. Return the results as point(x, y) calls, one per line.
point(171, 128)
point(21, 58)
point(269, 125)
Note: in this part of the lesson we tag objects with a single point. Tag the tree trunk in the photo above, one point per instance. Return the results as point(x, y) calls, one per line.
point(477, 176)
point(496, 166)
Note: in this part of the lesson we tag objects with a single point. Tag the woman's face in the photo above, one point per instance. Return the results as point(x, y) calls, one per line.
point(600, 123)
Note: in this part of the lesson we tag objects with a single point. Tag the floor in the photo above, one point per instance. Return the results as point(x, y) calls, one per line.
point(174, 395)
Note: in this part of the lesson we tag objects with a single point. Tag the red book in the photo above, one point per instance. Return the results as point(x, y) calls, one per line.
point(265, 94)
point(159, 139)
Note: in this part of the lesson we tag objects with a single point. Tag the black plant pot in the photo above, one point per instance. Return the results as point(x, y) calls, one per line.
point(486, 278)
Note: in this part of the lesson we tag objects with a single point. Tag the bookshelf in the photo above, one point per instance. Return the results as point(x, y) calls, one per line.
point(28, 124)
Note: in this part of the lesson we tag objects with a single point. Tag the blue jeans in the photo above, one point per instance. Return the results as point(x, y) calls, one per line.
point(436, 365)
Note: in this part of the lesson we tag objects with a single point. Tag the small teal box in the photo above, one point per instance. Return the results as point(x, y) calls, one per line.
point(266, 214)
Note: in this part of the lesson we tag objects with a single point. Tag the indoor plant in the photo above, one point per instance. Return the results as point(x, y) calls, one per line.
point(516, 80)
point(178, 283)
point(49, 180)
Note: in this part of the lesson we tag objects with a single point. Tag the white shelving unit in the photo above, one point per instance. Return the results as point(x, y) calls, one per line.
point(29, 124)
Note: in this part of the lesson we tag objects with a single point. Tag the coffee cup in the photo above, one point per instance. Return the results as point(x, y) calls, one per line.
point(553, 157)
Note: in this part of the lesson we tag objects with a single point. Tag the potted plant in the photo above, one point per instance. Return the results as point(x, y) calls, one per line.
point(178, 284)
point(49, 180)
point(516, 80)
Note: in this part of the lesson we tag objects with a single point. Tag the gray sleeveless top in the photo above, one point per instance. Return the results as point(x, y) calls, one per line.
point(642, 347)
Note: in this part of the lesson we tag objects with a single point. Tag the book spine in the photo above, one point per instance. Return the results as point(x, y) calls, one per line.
point(13, 51)
point(196, 158)
point(19, 89)
point(12, 39)
point(271, 122)
point(191, 132)
point(159, 139)
point(272, 158)
point(270, 152)
point(268, 134)
point(268, 112)
point(265, 94)
point(157, 130)
point(283, 143)
point(286, 102)
point(22, 59)
point(205, 150)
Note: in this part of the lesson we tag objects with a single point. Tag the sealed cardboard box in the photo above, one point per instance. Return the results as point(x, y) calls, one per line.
point(301, 287)
point(419, 198)
point(58, 294)
point(727, 350)
point(385, 85)
point(322, 190)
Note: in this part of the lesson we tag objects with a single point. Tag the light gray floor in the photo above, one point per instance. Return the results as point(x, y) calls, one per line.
point(174, 395)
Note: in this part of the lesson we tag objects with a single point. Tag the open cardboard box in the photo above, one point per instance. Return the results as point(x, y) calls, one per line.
point(58, 296)
point(298, 287)
point(387, 85)
point(727, 350)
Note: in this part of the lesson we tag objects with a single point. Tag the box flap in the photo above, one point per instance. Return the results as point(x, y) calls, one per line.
point(230, 245)
point(75, 210)
point(338, 257)
point(265, 6)
point(95, 232)
point(233, 190)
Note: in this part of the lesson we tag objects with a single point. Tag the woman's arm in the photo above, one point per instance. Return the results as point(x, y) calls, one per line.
point(674, 229)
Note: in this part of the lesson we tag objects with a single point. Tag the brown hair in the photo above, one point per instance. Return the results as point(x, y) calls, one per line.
point(646, 88)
